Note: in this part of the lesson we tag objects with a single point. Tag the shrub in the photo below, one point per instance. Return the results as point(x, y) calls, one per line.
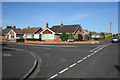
point(70, 36)
point(64, 36)
point(109, 37)
point(76, 39)
point(80, 37)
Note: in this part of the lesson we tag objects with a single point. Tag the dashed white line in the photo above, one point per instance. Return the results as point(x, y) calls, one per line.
point(53, 76)
point(79, 61)
point(94, 49)
point(84, 58)
point(63, 70)
point(88, 55)
point(72, 65)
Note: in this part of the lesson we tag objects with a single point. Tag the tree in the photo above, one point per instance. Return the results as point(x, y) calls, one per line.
point(9, 27)
point(80, 37)
point(64, 36)
point(70, 36)
point(114, 35)
point(103, 35)
point(109, 37)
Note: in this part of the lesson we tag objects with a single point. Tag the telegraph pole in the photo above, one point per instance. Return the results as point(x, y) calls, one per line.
point(110, 26)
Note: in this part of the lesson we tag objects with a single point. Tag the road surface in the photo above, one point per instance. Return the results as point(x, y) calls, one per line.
point(74, 61)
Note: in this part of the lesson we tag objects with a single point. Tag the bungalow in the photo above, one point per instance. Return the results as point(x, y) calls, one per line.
point(54, 32)
point(32, 33)
point(12, 33)
point(86, 34)
point(95, 35)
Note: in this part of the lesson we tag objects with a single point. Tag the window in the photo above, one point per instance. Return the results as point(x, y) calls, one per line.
point(29, 35)
point(12, 36)
point(48, 36)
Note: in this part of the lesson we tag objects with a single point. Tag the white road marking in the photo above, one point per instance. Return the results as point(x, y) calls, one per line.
point(84, 58)
point(53, 76)
point(79, 61)
point(95, 48)
point(7, 55)
point(88, 55)
point(72, 65)
point(76, 63)
point(63, 70)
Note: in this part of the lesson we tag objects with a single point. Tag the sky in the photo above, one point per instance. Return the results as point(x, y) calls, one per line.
point(93, 16)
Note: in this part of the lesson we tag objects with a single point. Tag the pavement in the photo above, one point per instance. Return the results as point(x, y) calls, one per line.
point(80, 61)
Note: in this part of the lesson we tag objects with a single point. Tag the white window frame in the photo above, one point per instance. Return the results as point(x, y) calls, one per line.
point(36, 36)
point(46, 36)
point(30, 36)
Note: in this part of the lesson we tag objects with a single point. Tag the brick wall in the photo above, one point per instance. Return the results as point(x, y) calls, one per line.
point(57, 37)
point(47, 32)
point(78, 32)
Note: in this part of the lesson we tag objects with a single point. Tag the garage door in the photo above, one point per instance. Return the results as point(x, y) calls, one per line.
point(48, 36)
point(36, 36)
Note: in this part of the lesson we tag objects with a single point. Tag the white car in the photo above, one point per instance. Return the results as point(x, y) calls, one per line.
point(115, 39)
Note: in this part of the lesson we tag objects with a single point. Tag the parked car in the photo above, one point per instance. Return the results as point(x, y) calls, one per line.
point(19, 37)
point(70, 40)
point(115, 39)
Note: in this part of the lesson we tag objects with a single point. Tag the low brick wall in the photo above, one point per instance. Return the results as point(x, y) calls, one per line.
point(65, 42)
point(4, 40)
point(12, 40)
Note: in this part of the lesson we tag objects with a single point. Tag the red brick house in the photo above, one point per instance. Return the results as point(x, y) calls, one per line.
point(13, 33)
point(31, 33)
point(54, 32)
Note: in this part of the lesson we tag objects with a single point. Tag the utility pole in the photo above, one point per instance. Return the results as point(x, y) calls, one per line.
point(110, 26)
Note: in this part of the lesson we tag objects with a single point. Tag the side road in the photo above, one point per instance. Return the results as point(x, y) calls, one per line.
point(17, 63)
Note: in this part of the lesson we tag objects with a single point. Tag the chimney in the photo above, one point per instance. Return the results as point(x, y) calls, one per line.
point(14, 27)
point(46, 25)
point(61, 24)
point(28, 26)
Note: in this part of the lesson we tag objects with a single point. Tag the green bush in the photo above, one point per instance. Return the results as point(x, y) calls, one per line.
point(80, 37)
point(109, 37)
point(70, 36)
point(64, 36)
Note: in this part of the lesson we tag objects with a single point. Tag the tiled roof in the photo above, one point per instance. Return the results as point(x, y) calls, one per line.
point(17, 30)
point(23, 31)
point(4, 32)
point(65, 28)
point(30, 30)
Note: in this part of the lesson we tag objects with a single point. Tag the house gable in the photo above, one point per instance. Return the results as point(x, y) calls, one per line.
point(38, 31)
point(11, 32)
point(47, 31)
point(77, 32)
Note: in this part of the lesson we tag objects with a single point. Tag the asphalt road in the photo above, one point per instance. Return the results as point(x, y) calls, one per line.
point(16, 63)
point(63, 61)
